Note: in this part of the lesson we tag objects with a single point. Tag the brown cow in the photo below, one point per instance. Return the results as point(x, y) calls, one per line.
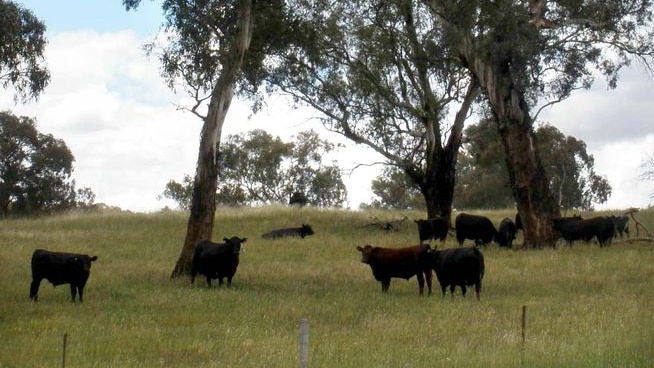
point(398, 262)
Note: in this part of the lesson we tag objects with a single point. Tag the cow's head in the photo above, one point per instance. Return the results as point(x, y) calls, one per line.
point(235, 242)
point(306, 230)
point(365, 253)
point(84, 261)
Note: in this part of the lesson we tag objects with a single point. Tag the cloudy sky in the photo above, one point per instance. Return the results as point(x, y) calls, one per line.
point(107, 101)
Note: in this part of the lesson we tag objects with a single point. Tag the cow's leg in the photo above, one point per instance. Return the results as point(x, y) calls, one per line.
point(73, 291)
point(208, 281)
point(421, 283)
point(220, 281)
point(452, 287)
point(229, 282)
point(80, 293)
point(428, 279)
point(443, 288)
point(34, 289)
point(478, 289)
point(463, 290)
point(193, 274)
point(385, 285)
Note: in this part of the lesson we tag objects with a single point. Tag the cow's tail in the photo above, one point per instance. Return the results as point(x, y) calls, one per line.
point(480, 258)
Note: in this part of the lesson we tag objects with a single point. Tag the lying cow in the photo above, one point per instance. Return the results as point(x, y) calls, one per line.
point(461, 267)
point(506, 233)
point(434, 228)
point(60, 268)
point(217, 260)
point(477, 228)
point(304, 230)
point(404, 263)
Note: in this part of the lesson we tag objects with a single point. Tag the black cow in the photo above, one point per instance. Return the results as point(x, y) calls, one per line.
point(217, 260)
point(60, 268)
point(570, 228)
point(477, 228)
point(621, 225)
point(304, 230)
point(435, 228)
point(404, 263)
point(506, 233)
point(298, 199)
point(461, 267)
point(602, 228)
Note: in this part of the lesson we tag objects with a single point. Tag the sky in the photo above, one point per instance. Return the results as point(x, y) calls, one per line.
point(108, 102)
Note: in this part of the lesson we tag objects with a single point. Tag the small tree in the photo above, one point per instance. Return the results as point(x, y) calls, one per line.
point(35, 170)
point(647, 171)
point(257, 168)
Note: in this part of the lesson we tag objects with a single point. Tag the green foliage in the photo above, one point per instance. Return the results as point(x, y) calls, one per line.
point(394, 190)
point(586, 307)
point(35, 170)
point(257, 168)
point(22, 42)
point(483, 177)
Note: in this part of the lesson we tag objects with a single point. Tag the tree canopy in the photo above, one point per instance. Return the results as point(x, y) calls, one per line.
point(22, 42)
point(258, 168)
point(483, 180)
point(35, 170)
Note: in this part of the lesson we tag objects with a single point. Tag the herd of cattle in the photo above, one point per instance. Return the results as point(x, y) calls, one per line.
point(462, 266)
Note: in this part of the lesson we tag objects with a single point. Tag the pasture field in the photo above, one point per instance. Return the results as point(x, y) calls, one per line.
point(586, 306)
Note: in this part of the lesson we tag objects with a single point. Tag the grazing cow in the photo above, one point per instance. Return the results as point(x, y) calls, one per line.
point(461, 267)
point(217, 260)
point(621, 225)
point(298, 199)
point(435, 228)
point(602, 228)
point(477, 228)
point(399, 263)
point(506, 233)
point(60, 268)
point(304, 230)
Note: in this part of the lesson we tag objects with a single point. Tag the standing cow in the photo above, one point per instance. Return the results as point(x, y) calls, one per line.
point(506, 233)
point(434, 228)
point(461, 267)
point(477, 228)
point(403, 263)
point(217, 260)
point(60, 268)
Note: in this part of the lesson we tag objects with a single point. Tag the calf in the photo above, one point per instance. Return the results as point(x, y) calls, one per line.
point(217, 260)
point(304, 230)
point(60, 268)
point(404, 263)
point(461, 267)
point(506, 233)
point(477, 228)
point(435, 228)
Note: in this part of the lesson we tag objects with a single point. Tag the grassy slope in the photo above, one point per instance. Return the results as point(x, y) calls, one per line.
point(586, 307)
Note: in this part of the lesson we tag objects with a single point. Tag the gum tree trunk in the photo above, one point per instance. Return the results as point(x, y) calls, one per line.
point(203, 203)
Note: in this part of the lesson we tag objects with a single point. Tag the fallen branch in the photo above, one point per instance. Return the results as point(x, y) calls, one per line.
point(631, 212)
point(393, 225)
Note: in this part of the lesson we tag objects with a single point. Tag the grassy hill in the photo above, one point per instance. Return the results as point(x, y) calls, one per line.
point(586, 306)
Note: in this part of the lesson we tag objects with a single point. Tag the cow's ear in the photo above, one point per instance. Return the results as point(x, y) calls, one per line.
point(94, 258)
point(226, 240)
point(244, 240)
point(359, 248)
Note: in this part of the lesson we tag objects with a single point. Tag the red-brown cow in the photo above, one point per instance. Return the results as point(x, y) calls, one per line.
point(399, 263)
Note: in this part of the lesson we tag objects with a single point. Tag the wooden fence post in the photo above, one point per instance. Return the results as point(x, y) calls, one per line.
point(304, 343)
point(63, 356)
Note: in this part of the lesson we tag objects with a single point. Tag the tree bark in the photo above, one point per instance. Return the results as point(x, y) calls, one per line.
point(203, 203)
point(529, 183)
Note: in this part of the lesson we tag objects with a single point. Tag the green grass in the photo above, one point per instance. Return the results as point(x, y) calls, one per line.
point(586, 306)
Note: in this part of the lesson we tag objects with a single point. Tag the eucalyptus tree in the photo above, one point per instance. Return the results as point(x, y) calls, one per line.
point(22, 42)
point(484, 182)
point(205, 54)
point(522, 52)
point(379, 75)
